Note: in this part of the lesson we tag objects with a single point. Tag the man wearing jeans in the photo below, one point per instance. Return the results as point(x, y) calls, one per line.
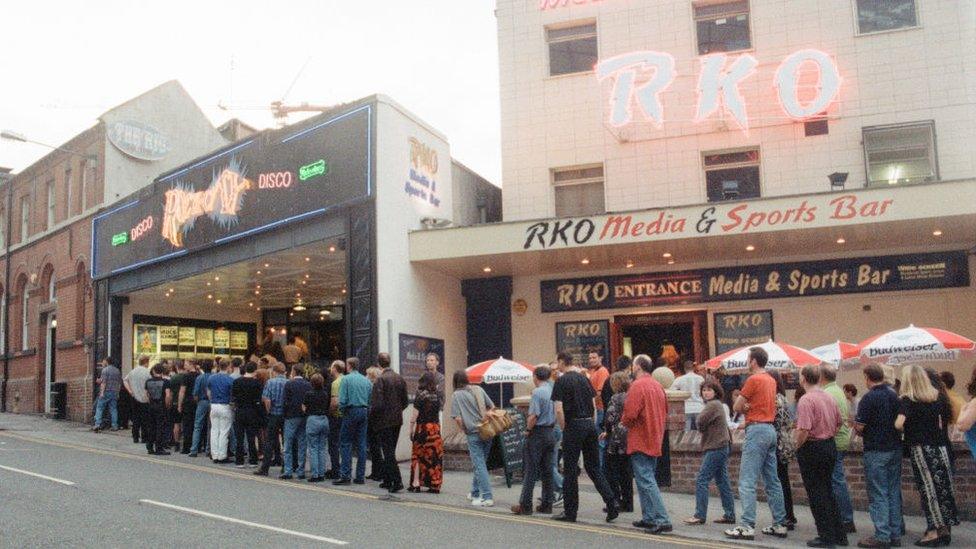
point(109, 382)
point(202, 415)
point(757, 401)
point(354, 392)
point(294, 437)
point(538, 445)
point(882, 458)
point(273, 399)
point(828, 380)
point(645, 413)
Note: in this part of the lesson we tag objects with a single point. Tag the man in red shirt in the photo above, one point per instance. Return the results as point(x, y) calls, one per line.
point(758, 402)
point(817, 421)
point(645, 412)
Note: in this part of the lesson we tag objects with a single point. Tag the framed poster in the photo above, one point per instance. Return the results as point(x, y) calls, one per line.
point(743, 328)
point(238, 341)
point(188, 342)
point(579, 338)
point(413, 358)
point(205, 343)
point(169, 341)
point(221, 341)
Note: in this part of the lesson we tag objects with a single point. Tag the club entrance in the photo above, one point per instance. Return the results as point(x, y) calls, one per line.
point(657, 335)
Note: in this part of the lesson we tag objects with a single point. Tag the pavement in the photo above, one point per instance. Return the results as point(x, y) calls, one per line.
point(62, 485)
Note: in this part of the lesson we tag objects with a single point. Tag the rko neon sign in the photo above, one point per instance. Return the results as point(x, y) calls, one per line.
point(718, 85)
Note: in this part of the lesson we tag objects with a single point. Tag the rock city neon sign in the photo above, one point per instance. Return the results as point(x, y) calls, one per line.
point(221, 201)
point(718, 85)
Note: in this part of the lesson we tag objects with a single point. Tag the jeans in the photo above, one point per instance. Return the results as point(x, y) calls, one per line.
point(759, 458)
point(390, 471)
point(335, 430)
point(110, 399)
point(316, 433)
point(691, 422)
point(478, 450)
point(538, 453)
point(882, 474)
point(580, 437)
point(200, 427)
point(652, 505)
point(839, 484)
point(221, 419)
point(353, 432)
point(557, 478)
point(817, 459)
point(271, 449)
point(600, 415)
point(971, 440)
point(294, 438)
point(715, 464)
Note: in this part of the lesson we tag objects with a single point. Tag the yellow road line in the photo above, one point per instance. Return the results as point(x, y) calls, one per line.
point(575, 526)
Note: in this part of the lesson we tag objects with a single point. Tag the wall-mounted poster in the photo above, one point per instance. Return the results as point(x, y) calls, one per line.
point(221, 342)
point(146, 341)
point(169, 341)
point(579, 338)
point(238, 341)
point(739, 329)
point(413, 358)
point(205, 342)
point(188, 342)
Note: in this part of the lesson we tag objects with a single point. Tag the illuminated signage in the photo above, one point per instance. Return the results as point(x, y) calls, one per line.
point(718, 85)
point(138, 140)
point(553, 4)
point(421, 181)
point(242, 189)
point(119, 239)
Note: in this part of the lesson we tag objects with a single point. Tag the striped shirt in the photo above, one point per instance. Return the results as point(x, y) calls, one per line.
point(274, 390)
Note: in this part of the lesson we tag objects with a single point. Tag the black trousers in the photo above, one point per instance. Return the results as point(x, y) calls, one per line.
point(387, 438)
point(580, 437)
point(140, 421)
point(189, 418)
point(621, 479)
point(816, 459)
point(538, 466)
point(335, 427)
point(246, 426)
point(155, 424)
point(783, 472)
point(272, 449)
point(375, 454)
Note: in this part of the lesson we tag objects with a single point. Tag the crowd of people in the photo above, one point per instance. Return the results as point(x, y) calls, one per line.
point(614, 423)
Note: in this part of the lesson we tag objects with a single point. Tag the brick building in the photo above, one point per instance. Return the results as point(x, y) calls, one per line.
point(47, 313)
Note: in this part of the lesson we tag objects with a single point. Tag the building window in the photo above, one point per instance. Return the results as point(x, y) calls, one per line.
point(901, 154)
point(52, 291)
point(722, 27)
point(24, 316)
point(24, 218)
point(732, 175)
point(51, 202)
point(885, 15)
point(579, 191)
point(572, 49)
point(67, 193)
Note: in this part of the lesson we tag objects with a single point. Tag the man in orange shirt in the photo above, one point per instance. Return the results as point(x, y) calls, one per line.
point(598, 376)
point(758, 402)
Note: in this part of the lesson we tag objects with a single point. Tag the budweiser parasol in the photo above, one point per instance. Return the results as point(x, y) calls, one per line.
point(837, 353)
point(781, 357)
point(500, 370)
point(913, 344)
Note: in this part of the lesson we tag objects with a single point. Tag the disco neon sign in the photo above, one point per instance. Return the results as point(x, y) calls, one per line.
point(718, 85)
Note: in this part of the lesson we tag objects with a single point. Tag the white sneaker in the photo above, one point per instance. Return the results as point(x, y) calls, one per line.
point(483, 502)
point(741, 532)
point(777, 530)
point(559, 500)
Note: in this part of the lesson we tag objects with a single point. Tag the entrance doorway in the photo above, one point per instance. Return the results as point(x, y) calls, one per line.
point(50, 361)
point(650, 333)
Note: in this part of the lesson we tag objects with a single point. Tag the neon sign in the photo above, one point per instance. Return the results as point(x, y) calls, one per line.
point(274, 180)
point(308, 171)
point(141, 228)
point(120, 239)
point(553, 4)
point(221, 202)
point(718, 85)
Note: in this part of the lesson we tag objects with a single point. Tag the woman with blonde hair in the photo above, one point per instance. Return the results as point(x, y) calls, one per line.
point(921, 417)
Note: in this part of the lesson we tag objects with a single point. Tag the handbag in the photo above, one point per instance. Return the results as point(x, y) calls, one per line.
point(493, 422)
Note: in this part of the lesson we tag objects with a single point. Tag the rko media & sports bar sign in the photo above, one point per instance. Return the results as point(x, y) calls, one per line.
point(813, 278)
point(266, 181)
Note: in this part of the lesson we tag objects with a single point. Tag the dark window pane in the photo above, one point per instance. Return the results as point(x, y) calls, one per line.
point(815, 127)
point(580, 200)
point(572, 56)
point(723, 34)
point(738, 157)
point(732, 183)
point(719, 10)
point(882, 15)
point(571, 32)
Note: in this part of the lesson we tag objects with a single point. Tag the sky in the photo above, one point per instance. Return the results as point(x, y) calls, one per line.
point(63, 63)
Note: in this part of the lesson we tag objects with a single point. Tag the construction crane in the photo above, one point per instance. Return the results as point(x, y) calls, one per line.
point(279, 109)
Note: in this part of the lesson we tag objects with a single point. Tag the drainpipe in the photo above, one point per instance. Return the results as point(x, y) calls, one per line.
point(5, 177)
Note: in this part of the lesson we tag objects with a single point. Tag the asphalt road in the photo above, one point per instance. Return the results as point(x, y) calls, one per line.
point(117, 499)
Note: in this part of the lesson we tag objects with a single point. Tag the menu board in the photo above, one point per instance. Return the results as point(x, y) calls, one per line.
point(188, 342)
point(205, 342)
point(169, 341)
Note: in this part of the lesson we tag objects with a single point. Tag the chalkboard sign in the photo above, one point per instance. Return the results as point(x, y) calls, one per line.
point(734, 330)
point(513, 446)
point(582, 337)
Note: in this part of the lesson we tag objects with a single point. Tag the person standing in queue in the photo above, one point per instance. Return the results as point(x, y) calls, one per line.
point(620, 475)
point(468, 406)
point(201, 419)
point(155, 388)
point(427, 454)
point(294, 437)
point(337, 370)
point(389, 400)
point(828, 381)
point(221, 414)
point(109, 384)
point(645, 414)
point(354, 393)
point(316, 408)
point(248, 414)
point(433, 363)
point(135, 383)
point(273, 399)
point(574, 396)
point(757, 401)
point(818, 419)
point(538, 445)
point(598, 375)
point(716, 442)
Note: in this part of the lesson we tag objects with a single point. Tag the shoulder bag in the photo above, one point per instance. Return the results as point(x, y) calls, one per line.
point(493, 422)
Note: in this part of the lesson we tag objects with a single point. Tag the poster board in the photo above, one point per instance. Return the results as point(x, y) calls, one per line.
point(742, 328)
point(512, 444)
point(205, 343)
point(413, 358)
point(169, 341)
point(188, 342)
point(145, 342)
point(221, 342)
point(579, 338)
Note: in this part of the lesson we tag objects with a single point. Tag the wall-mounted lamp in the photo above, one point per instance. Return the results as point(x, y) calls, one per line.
point(837, 180)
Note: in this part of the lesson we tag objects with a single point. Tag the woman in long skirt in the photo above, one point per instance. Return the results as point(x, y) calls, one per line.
point(426, 461)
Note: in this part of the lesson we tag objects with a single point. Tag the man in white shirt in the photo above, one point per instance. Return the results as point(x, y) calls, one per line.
point(135, 383)
point(691, 383)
